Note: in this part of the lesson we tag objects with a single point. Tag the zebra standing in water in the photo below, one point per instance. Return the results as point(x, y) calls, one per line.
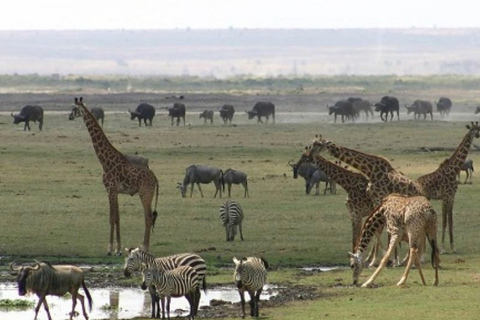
point(231, 214)
point(179, 282)
point(250, 275)
point(137, 258)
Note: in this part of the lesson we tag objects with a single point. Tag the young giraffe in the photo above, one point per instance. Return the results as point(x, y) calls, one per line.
point(403, 215)
point(121, 176)
point(442, 183)
point(383, 178)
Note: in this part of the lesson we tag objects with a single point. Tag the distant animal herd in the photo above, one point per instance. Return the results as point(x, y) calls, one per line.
point(184, 274)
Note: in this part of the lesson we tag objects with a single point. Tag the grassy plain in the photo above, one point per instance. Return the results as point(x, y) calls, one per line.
point(54, 206)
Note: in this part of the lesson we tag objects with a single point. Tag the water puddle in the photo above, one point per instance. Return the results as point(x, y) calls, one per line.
point(322, 269)
point(114, 303)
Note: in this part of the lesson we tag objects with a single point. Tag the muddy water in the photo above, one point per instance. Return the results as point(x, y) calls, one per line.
point(113, 303)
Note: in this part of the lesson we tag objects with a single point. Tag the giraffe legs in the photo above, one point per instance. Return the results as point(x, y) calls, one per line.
point(114, 223)
point(394, 239)
point(447, 220)
point(413, 258)
point(147, 199)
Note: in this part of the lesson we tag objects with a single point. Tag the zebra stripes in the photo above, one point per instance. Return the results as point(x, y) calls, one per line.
point(137, 258)
point(250, 275)
point(231, 214)
point(179, 282)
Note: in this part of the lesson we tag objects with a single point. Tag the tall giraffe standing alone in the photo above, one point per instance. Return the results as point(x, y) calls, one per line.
point(121, 176)
point(403, 215)
point(442, 183)
point(384, 179)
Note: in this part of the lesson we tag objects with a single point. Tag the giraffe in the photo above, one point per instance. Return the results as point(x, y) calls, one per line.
point(442, 183)
point(121, 176)
point(402, 215)
point(383, 178)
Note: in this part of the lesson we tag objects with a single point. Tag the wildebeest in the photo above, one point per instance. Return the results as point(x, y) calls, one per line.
point(143, 112)
point(343, 108)
point(361, 105)
point(177, 111)
point(420, 107)
point(231, 176)
point(202, 174)
point(317, 177)
point(477, 110)
point(443, 106)
point(226, 113)
point(262, 109)
point(97, 112)
point(207, 115)
point(388, 104)
point(27, 114)
point(45, 279)
point(467, 166)
point(307, 171)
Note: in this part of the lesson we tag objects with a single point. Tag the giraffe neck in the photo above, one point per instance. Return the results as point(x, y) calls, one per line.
point(363, 162)
point(344, 177)
point(460, 154)
point(375, 221)
point(105, 151)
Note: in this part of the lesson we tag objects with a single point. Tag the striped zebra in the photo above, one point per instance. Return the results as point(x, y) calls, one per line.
point(179, 282)
point(250, 275)
point(231, 214)
point(137, 257)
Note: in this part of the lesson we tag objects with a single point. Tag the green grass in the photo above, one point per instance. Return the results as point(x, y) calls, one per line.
point(55, 207)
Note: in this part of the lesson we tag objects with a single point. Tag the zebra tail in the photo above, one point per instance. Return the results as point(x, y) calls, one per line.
point(265, 263)
point(204, 284)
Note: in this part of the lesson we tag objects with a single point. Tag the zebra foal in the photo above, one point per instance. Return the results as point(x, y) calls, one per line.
point(250, 275)
point(231, 214)
point(179, 282)
point(137, 258)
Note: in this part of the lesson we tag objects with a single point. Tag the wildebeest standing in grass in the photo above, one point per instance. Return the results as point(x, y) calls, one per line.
point(345, 109)
point(307, 172)
point(226, 113)
point(444, 105)
point(44, 279)
point(143, 112)
point(27, 114)
point(361, 105)
point(262, 109)
point(388, 104)
point(420, 107)
point(207, 115)
point(468, 168)
point(231, 176)
point(202, 174)
point(97, 112)
point(177, 111)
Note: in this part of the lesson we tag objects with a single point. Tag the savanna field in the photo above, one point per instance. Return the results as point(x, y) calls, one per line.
point(55, 207)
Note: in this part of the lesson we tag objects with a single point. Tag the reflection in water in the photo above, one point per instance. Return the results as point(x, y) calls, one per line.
point(114, 303)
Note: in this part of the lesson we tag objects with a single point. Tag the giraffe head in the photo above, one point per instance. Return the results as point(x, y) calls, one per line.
point(474, 129)
point(317, 145)
point(356, 264)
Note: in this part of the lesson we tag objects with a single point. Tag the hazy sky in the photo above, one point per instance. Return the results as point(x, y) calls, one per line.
point(211, 14)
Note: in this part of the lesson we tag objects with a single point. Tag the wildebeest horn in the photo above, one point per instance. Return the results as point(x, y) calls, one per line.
point(13, 268)
point(290, 163)
point(12, 114)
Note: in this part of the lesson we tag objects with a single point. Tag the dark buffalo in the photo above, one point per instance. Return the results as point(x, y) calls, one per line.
point(361, 105)
point(262, 109)
point(143, 112)
point(207, 115)
point(343, 108)
point(177, 111)
point(226, 113)
point(27, 114)
point(420, 107)
point(97, 112)
point(443, 106)
point(387, 105)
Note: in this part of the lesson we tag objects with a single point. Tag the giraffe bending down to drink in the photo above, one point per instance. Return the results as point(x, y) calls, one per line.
point(442, 183)
point(402, 215)
point(121, 176)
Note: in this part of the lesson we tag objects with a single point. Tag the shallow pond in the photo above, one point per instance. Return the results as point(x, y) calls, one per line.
point(114, 303)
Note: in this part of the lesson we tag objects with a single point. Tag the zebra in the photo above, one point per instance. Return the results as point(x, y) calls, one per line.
point(137, 257)
point(250, 275)
point(231, 176)
point(231, 214)
point(179, 282)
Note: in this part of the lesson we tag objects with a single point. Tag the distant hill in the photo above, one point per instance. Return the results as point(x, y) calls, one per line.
point(226, 53)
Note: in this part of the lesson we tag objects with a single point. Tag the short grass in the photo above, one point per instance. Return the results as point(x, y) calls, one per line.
point(54, 206)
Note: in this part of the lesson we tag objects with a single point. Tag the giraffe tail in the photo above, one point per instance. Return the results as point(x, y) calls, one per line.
point(155, 214)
